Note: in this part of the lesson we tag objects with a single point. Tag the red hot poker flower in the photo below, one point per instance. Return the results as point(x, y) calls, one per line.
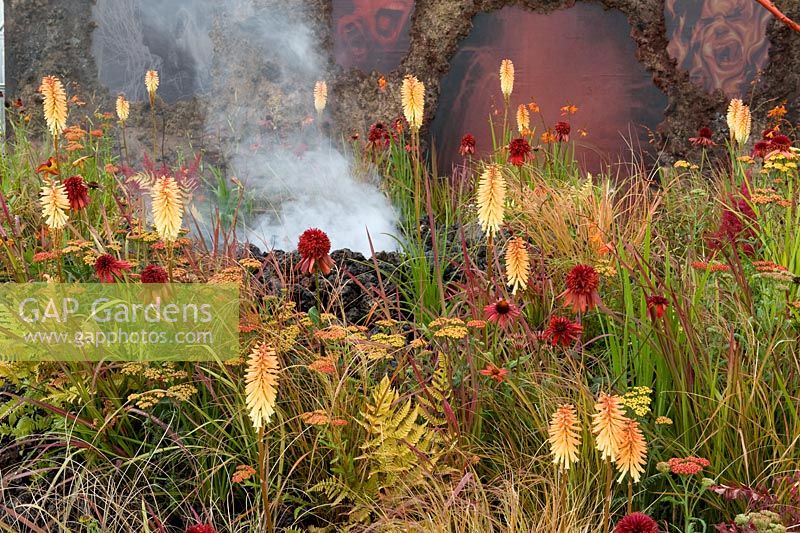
point(519, 151)
point(563, 331)
point(581, 293)
point(77, 193)
point(107, 267)
point(314, 247)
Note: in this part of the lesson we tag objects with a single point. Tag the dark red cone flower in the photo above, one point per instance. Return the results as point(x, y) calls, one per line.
point(314, 247)
point(703, 138)
point(154, 274)
point(562, 130)
point(581, 294)
point(656, 306)
point(519, 151)
point(201, 528)
point(563, 331)
point(502, 312)
point(467, 145)
point(107, 267)
point(637, 523)
point(780, 144)
point(760, 149)
point(378, 136)
point(77, 193)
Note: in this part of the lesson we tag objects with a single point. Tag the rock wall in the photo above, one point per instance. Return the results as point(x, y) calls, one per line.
point(54, 37)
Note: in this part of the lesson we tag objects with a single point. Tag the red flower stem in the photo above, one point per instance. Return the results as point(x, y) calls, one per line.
point(769, 6)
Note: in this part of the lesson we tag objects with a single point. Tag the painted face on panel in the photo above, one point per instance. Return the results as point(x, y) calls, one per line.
point(721, 43)
point(371, 34)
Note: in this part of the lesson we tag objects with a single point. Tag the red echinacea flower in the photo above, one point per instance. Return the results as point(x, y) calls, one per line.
point(562, 130)
point(501, 312)
point(107, 267)
point(703, 138)
point(201, 528)
point(378, 136)
point(154, 274)
point(656, 306)
point(760, 149)
point(314, 247)
point(637, 523)
point(519, 151)
point(563, 331)
point(77, 193)
point(780, 144)
point(495, 372)
point(581, 293)
point(467, 145)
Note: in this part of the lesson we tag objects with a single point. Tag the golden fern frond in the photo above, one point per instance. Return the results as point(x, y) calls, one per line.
point(334, 489)
point(396, 443)
point(436, 394)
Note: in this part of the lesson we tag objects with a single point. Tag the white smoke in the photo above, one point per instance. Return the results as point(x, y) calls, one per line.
point(293, 190)
point(316, 189)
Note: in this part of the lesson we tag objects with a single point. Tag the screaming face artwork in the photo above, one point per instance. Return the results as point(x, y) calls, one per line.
point(721, 43)
point(371, 34)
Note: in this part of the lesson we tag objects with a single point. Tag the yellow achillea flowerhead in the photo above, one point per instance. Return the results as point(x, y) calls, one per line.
point(518, 264)
point(167, 208)
point(507, 78)
point(320, 96)
point(54, 104)
point(261, 384)
point(491, 197)
point(632, 452)
point(564, 436)
point(413, 98)
point(523, 119)
point(123, 108)
point(151, 82)
point(739, 120)
point(608, 424)
point(54, 202)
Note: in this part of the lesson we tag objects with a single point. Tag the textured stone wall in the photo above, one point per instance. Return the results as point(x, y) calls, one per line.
point(53, 36)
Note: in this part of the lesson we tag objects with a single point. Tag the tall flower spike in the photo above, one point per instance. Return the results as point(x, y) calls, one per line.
point(54, 104)
point(523, 119)
point(632, 452)
point(739, 120)
point(608, 424)
point(167, 208)
point(564, 436)
point(123, 108)
point(320, 96)
point(413, 99)
point(491, 197)
point(54, 202)
point(518, 264)
point(507, 78)
point(151, 83)
point(262, 384)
